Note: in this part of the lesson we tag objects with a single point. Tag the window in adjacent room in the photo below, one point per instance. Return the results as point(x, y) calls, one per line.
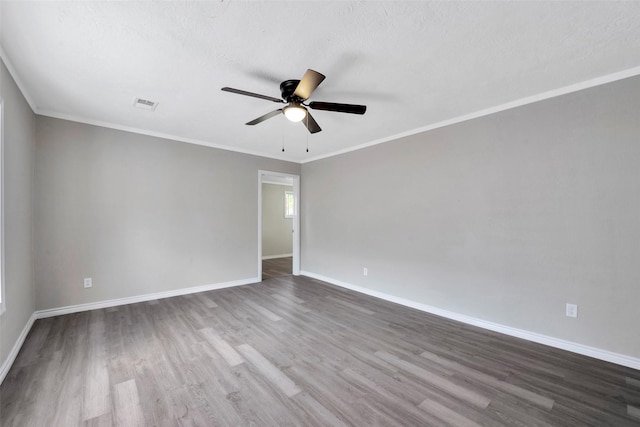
point(289, 204)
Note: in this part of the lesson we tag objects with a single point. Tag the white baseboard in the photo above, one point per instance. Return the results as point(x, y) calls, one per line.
point(42, 314)
point(4, 369)
point(585, 350)
point(597, 353)
point(276, 256)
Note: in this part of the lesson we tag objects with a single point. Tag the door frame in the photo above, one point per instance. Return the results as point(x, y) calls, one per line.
point(262, 174)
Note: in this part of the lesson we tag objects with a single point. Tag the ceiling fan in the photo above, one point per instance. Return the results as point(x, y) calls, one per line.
point(294, 94)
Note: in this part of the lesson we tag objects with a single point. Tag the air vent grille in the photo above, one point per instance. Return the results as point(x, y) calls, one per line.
point(145, 104)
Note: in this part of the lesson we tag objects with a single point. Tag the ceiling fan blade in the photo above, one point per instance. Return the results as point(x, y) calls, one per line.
point(265, 117)
point(311, 124)
point(310, 81)
point(255, 95)
point(340, 108)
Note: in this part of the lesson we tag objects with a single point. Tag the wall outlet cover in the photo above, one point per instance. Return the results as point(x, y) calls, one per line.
point(572, 310)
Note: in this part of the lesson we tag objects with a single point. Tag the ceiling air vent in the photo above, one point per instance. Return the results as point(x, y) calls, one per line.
point(145, 104)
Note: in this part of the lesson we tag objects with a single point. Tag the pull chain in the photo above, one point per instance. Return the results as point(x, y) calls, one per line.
point(307, 132)
point(283, 137)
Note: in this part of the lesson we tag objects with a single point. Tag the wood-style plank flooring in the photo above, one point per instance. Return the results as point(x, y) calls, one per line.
point(276, 267)
point(293, 351)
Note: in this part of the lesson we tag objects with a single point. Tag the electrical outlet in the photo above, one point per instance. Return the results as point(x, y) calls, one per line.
point(572, 310)
point(365, 271)
point(88, 282)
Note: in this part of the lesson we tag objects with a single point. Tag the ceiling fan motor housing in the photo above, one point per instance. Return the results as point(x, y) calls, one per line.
point(287, 88)
point(295, 93)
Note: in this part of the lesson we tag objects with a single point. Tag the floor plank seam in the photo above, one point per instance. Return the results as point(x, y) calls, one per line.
point(297, 351)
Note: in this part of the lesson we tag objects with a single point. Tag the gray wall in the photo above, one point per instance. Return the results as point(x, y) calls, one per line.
point(140, 214)
point(276, 229)
point(19, 126)
point(504, 218)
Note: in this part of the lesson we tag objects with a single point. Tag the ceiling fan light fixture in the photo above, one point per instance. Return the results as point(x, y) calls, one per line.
point(294, 94)
point(295, 112)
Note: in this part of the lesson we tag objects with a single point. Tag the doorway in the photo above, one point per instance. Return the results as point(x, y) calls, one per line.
point(278, 224)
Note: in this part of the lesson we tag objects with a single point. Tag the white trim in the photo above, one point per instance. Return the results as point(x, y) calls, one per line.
point(262, 176)
point(16, 78)
point(286, 181)
point(42, 314)
point(573, 347)
point(11, 357)
point(598, 81)
point(3, 303)
point(276, 256)
point(100, 123)
point(163, 135)
point(608, 356)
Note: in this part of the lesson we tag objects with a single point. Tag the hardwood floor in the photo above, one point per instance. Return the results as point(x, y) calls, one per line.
point(276, 267)
point(294, 351)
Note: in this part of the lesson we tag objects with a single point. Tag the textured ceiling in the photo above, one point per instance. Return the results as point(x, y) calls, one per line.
point(414, 64)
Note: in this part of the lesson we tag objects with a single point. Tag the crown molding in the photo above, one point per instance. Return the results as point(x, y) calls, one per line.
point(598, 81)
point(576, 87)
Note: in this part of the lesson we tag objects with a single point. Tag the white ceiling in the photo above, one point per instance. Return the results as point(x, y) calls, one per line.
point(414, 64)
